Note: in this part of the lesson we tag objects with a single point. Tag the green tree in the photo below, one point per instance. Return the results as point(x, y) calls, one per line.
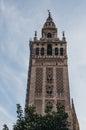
point(5, 127)
point(30, 120)
point(19, 125)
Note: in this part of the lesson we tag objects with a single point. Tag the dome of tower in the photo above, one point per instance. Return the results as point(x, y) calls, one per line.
point(49, 22)
point(49, 29)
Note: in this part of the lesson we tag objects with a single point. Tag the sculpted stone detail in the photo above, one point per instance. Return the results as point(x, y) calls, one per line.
point(49, 59)
point(49, 82)
point(49, 91)
point(49, 75)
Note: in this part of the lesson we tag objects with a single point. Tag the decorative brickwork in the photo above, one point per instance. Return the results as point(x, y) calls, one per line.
point(39, 81)
point(47, 59)
point(59, 80)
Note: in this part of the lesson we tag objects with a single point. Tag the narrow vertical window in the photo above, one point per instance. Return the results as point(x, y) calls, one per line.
point(42, 51)
point(49, 49)
point(56, 51)
point(61, 51)
point(37, 51)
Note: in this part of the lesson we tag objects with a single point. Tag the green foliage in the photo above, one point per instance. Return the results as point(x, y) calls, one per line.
point(30, 120)
point(5, 127)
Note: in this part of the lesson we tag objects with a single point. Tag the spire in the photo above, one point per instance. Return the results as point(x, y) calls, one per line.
point(63, 33)
point(35, 35)
point(63, 36)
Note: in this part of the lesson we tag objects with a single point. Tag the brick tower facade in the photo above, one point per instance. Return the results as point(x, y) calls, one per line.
point(48, 82)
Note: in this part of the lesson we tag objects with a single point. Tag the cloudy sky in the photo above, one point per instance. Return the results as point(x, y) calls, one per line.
point(18, 21)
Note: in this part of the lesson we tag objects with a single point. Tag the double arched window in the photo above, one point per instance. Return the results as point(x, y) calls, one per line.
point(49, 90)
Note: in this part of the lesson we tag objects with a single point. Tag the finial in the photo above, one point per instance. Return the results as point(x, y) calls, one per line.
point(49, 13)
point(63, 33)
point(63, 36)
point(35, 36)
point(35, 33)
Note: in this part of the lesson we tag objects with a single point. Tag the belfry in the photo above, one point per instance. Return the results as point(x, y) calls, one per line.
point(48, 81)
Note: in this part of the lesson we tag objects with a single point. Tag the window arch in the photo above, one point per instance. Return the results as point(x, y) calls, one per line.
point(49, 49)
point(42, 51)
point(37, 51)
point(61, 51)
point(56, 51)
point(49, 35)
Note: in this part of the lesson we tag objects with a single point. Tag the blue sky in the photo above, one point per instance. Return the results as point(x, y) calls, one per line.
point(18, 21)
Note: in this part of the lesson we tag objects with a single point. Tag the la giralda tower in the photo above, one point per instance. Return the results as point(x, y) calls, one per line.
point(48, 81)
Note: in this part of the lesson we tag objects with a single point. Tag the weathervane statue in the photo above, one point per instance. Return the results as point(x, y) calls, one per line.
point(49, 13)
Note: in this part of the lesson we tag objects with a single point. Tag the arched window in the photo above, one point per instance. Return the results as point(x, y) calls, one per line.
point(37, 51)
point(49, 49)
point(49, 35)
point(56, 51)
point(61, 51)
point(42, 51)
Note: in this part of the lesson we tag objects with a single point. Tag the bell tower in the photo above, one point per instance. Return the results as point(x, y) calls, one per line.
point(48, 83)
